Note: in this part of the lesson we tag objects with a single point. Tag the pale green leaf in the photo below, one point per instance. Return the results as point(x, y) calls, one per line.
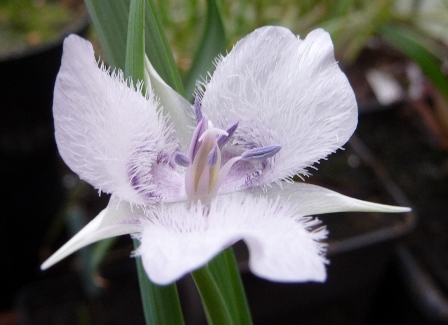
point(212, 44)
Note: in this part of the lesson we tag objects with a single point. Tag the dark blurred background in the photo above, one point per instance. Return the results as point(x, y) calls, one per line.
point(384, 268)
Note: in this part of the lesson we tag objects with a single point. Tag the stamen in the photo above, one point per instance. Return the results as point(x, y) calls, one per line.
point(194, 146)
point(213, 156)
point(223, 139)
point(205, 174)
point(260, 153)
point(197, 109)
point(181, 159)
point(212, 131)
point(224, 170)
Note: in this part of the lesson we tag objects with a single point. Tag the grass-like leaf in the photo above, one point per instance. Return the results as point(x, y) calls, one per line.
point(213, 300)
point(405, 41)
point(212, 44)
point(225, 271)
point(135, 44)
point(110, 19)
point(161, 304)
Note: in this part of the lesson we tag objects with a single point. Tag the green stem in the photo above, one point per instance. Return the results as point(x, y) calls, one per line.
point(161, 304)
point(212, 299)
point(240, 299)
point(222, 291)
point(224, 269)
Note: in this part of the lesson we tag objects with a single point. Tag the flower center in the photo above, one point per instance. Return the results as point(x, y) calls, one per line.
point(204, 172)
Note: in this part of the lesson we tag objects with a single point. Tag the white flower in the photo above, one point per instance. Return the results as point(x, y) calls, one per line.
point(191, 181)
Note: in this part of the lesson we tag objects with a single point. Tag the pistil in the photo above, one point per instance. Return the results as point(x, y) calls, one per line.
point(204, 173)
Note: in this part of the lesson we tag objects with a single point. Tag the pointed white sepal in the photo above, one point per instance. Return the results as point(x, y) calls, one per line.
point(115, 220)
point(315, 200)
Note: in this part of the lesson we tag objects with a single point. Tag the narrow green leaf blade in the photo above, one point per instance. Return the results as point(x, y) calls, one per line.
point(212, 44)
point(135, 45)
point(406, 42)
point(161, 304)
point(110, 19)
point(224, 269)
point(213, 301)
point(158, 49)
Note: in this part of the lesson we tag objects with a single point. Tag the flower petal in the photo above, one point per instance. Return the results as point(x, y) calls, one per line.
point(181, 237)
point(117, 219)
point(284, 91)
point(314, 200)
point(106, 131)
point(177, 109)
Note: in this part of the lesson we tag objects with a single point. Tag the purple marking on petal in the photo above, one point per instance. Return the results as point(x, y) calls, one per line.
point(138, 170)
point(139, 178)
point(213, 156)
point(223, 139)
point(165, 159)
point(260, 153)
point(194, 144)
point(197, 109)
point(181, 159)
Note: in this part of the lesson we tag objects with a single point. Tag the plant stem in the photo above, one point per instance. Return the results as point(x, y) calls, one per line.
point(161, 304)
point(212, 299)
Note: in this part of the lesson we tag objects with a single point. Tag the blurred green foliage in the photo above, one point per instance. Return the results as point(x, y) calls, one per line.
point(351, 22)
point(31, 22)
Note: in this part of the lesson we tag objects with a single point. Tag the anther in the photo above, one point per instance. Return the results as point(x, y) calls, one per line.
point(260, 153)
point(212, 131)
point(194, 146)
point(223, 139)
point(181, 159)
point(197, 109)
point(213, 156)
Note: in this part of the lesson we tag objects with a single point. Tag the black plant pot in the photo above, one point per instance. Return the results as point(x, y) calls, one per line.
point(31, 190)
